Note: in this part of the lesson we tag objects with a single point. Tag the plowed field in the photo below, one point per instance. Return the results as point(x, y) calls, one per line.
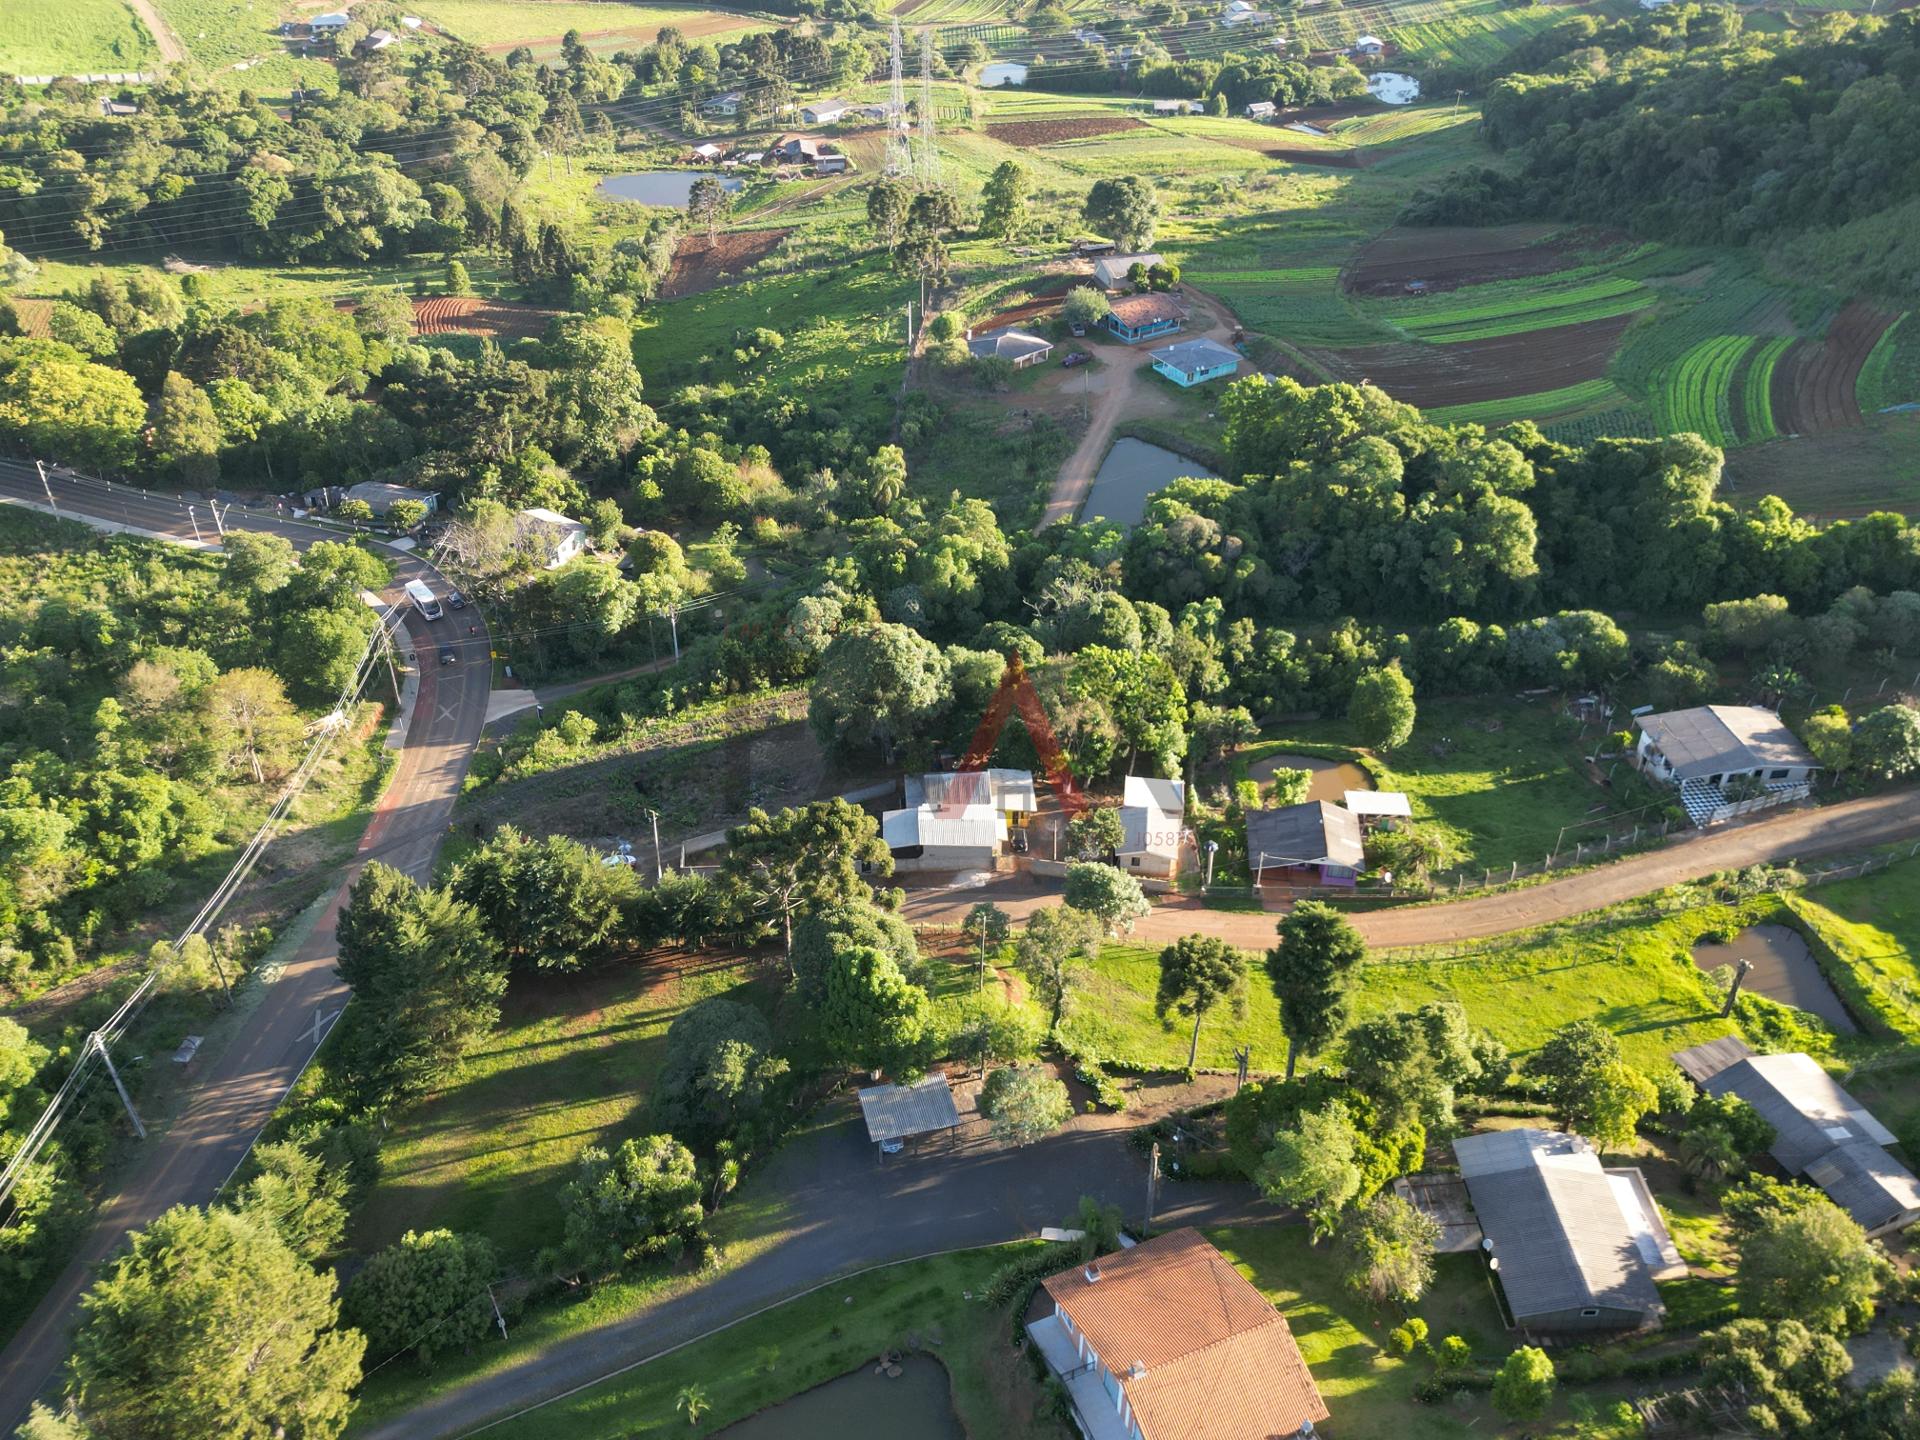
point(1030, 134)
point(699, 266)
point(1447, 257)
point(1524, 363)
point(1813, 383)
point(35, 317)
point(469, 315)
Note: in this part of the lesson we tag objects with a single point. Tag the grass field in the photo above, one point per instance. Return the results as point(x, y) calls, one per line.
point(510, 22)
point(1847, 472)
point(1872, 926)
point(72, 37)
point(571, 1065)
point(224, 34)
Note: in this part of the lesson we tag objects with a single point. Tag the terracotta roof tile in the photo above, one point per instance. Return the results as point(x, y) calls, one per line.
point(1218, 1362)
point(1136, 310)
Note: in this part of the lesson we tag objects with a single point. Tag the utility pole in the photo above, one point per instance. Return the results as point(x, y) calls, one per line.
point(1456, 100)
point(673, 619)
point(386, 654)
point(1153, 1181)
point(214, 507)
point(498, 1318)
point(100, 1049)
point(654, 816)
point(54, 504)
point(1213, 849)
point(196, 526)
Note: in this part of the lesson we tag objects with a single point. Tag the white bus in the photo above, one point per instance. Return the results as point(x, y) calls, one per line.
point(423, 600)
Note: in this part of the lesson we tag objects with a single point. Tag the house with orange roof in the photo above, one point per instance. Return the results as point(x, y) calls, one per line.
point(1167, 1341)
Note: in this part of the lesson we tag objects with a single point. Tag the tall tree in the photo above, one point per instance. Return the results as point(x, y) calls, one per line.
point(871, 1016)
point(294, 1194)
point(1111, 896)
point(550, 904)
point(887, 201)
point(641, 1200)
point(251, 724)
point(809, 857)
point(1570, 1067)
point(1388, 1247)
point(1311, 1166)
point(1382, 710)
point(1024, 1103)
point(1125, 209)
point(708, 204)
point(1055, 950)
point(880, 683)
point(1812, 1264)
point(1312, 970)
point(1003, 203)
point(425, 1293)
point(427, 982)
point(1197, 972)
point(210, 1325)
point(987, 926)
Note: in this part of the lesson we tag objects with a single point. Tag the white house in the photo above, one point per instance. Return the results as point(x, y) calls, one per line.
point(1369, 45)
point(1725, 760)
point(377, 40)
point(549, 534)
point(825, 112)
point(1151, 812)
point(331, 23)
point(1240, 12)
point(709, 151)
point(957, 820)
point(725, 105)
point(1262, 110)
point(1112, 270)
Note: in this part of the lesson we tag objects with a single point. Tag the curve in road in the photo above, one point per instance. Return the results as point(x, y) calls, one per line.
point(241, 1087)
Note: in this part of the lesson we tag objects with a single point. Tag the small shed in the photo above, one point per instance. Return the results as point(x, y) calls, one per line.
point(1262, 110)
point(1378, 808)
point(896, 1114)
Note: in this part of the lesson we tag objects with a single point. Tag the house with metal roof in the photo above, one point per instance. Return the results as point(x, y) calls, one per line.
point(1152, 814)
point(1142, 317)
point(1311, 844)
point(825, 112)
point(551, 537)
point(1819, 1130)
point(380, 497)
point(1112, 271)
point(1725, 760)
point(1194, 362)
point(1262, 110)
point(1575, 1246)
point(1379, 809)
point(957, 819)
point(1021, 347)
point(1168, 1341)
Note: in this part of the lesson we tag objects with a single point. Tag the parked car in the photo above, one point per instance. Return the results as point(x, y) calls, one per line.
point(1075, 357)
point(449, 655)
point(1077, 330)
point(456, 601)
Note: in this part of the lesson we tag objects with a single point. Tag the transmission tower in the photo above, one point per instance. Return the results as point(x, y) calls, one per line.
point(929, 147)
point(899, 142)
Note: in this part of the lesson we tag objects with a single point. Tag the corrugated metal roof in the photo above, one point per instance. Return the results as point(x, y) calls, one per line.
point(1315, 833)
point(1390, 803)
point(895, 1112)
point(1713, 739)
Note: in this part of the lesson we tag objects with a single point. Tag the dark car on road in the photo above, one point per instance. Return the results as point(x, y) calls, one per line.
point(449, 655)
point(1075, 357)
point(456, 601)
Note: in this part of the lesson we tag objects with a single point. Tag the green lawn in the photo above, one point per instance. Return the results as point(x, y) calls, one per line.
point(1500, 776)
point(507, 22)
point(68, 37)
point(1871, 927)
point(223, 34)
point(570, 1065)
point(815, 1338)
point(1342, 1338)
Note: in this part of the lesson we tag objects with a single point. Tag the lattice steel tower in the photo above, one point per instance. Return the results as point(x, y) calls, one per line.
point(899, 140)
point(929, 145)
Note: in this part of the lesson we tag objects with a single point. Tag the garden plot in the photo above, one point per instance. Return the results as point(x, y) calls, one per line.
point(470, 315)
point(1031, 134)
point(1815, 385)
point(1446, 258)
point(1562, 361)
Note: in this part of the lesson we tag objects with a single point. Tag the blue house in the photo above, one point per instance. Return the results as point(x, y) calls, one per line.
point(1141, 317)
point(1194, 362)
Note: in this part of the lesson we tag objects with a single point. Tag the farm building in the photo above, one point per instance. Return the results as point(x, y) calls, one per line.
point(1575, 1247)
point(896, 1114)
point(825, 112)
point(1241, 12)
point(1141, 317)
point(330, 24)
point(1019, 346)
point(708, 151)
point(1378, 809)
point(1176, 107)
point(723, 106)
point(1194, 362)
point(796, 149)
point(1151, 813)
point(1112, 270)
point(1311, 844)
point(957, 820)
point(1262, 110)
point(1369, 45)
point(1724, 759)
point(1820, 1131)
point(375, 41)
point(832, 165)
point(381, 498)
point(552, 537)
point(1167, 1341)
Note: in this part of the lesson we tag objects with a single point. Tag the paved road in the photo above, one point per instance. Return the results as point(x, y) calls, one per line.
point(1796, 835)
point(840, 1211)
point(240, 1087)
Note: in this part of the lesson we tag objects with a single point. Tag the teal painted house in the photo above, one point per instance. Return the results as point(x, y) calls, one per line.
point(1194, 362)
point(1142, 317)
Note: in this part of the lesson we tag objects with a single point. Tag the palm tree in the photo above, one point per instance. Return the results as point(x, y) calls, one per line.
point(691, 1402)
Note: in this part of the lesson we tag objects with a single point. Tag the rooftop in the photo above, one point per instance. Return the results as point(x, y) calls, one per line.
point(1008, 345)
point(1711, 739)
point(1390, 803)
point(1134, 311)
point(895, 1112)
point(1193, 356)
point(1315, 833)
point(1198, 1351)
point(1569, 1235)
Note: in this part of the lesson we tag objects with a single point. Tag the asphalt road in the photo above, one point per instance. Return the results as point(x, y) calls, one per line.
point(239, 1088)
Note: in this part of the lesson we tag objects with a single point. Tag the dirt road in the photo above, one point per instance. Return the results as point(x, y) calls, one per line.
point(1800, 834)
point(1116, 389)
point(168, 43)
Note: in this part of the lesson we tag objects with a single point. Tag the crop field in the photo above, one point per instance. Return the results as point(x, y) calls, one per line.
point(1631, 419)
point(1756, 391)
point(67, 37)
point(1472, 36)
point(1473, 372)
point(1816, 383)
point(1873, 466)
point(504, 23)
point(1693, 395)
point(1487, 312)
point(467, 315)
point(1029, 134)
point(1891, 372)
point(1301, 305)
point(1589, 396)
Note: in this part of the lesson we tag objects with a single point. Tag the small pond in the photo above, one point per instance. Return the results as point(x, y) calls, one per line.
point(1390, 88)
point(916, 1405)
point(1331, 778)
point(1132, 471)
point(659, 187)
point(1783, 969)
point(1002, 72)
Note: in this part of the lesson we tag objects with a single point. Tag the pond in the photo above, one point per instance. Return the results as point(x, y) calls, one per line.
point(1331, 778)
point(659, 187)
point(1390, 88)
point(1002, 72)
point(1783, 969)
point(916, 1405)
point(1132, 471)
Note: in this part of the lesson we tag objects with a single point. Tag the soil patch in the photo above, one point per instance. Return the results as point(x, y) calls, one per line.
point(1030, 134)
point(36, 318)
point(1470, 371)
point(1813, 385)
point(470, 315)
point(1839, 475)
point(700, 265)
point(1447, 257)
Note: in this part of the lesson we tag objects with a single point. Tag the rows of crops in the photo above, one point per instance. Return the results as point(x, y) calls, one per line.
point(1622, 423)
point(1756, 393)
point(1471, 41)
point(1525, 306)
point(1301, 304)
point(1728, 299)
point(1693, 395)
point(1588, 395)
point(1891, 374)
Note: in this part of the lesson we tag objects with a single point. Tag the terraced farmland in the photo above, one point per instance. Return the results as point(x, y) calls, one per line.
point(1756, 391)
point(1589, 396)
point(1301, 304)
point(1693, 395)
point(1490, 311)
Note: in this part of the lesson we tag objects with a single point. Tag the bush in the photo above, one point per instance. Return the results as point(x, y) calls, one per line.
point(1407, 1337)
point(1453, 1353)
point(426, 1293)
